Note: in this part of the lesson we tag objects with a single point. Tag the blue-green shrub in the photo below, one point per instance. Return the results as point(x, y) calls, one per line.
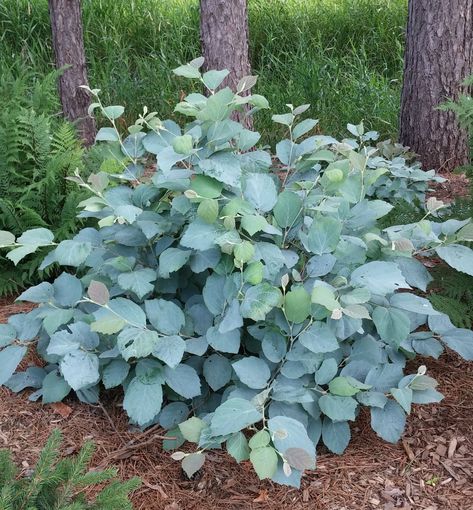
point(234, 290)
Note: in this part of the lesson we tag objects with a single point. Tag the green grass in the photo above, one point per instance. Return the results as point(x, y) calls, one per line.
point(342, 56)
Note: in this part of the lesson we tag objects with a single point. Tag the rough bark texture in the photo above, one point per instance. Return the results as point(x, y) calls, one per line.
point(438, 57)
point(68, 44)
point(224, 38)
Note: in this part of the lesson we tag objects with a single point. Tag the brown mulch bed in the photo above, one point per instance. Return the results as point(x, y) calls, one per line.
point(431, 469)
point(456, 185)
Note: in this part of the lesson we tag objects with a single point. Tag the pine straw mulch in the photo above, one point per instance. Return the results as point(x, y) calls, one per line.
point(431, 469)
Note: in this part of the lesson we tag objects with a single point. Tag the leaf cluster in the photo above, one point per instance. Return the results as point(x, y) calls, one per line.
point(236, 292)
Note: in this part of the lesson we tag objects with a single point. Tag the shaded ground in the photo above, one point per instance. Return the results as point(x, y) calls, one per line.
point(431, 469)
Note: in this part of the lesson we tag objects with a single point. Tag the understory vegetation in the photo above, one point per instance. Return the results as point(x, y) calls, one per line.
point(60, 483)
point(40, 151)
point(242, 297)
point(308, 50)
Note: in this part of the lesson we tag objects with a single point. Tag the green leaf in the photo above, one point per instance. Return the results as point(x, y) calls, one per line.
point(54, 388)
point(142, 402)
point(223, 166)
point(208, 210)
point(325, 296)
point(252, 371)
point(187, 71)
point(403, 397)
point(379, 277)
point(67, 289)
point(286, 118)
point(233, 415)
point(115, 373)
point(297, 305)
point(137, 343)
point(7, 334)
point(37, 237)
point(260, 191)
point(388, 422)
point(392, 325)
point(113, 112)
point(176, 439)
point(237, 447)
point(372, 398)
point(183, 144)
point(232, 319)
point(259, 440)
point(253, 273)
point(192, 463)
point(259, 300)
point(165, 316)
point(244, 251)
point(303, 127)
point(246, 83)
point(184, 380)
point(319, 338)
point(72, 253)
point(356, 312)
point(457, 256)
point(287, 209)
point(412, 303)
point(138, 281)
point(171, 260)
point(10, 358)
point(338, 408)
point(217, 371)
point(323, 235)
point(106, 134)
point(191, 429)
point(206, 187)
point(224, 342)
point(336, 435)
point(41, 293)
point(80, 369)
point(6, 238)
point(342, 387)
point(200, 235)
point(289, 433)
point(170, 349)
point(21, 252)
point(108, 324)
point(327, 371)
point(460, 340)
point(212, 79)
point(265, 461)
point(253, 223)
point(56, 318)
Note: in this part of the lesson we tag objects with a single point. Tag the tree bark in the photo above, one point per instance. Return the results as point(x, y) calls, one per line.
point(224, 39)
point(438, 57)
point(68, 44)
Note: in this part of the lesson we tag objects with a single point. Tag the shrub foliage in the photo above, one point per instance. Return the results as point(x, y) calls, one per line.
point(235, 291)
point(60, 483)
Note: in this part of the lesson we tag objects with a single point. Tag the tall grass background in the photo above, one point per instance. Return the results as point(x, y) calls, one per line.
point(342, 56)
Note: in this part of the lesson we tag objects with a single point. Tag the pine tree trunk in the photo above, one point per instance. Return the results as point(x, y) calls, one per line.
point(224, 39)
point(68, 44)
point(438, 57)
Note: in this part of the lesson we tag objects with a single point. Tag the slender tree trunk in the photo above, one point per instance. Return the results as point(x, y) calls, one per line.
point(438, 57)
point(224, 39)
point(68, 44)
